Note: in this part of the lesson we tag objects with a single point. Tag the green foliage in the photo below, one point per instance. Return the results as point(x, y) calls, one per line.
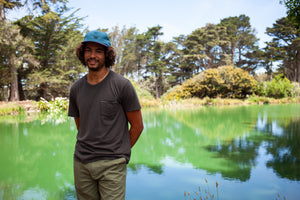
point(54, 107)
point(279, 87)
point(258, 99)
point(141, 92)
point(295, 92)
point(225, 81)
point(145, 97)
point(293, 11)
point(11, 109)
point(41, 53)
point(284, 47)
point(231, 42)
point(15, 52)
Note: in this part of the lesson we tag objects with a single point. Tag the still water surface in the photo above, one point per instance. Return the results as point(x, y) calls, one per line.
point(240, 152)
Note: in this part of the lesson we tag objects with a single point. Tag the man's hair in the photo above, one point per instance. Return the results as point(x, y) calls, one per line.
point(110, 55)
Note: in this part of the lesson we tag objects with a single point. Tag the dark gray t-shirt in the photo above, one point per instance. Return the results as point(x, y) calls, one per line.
point(103, 132)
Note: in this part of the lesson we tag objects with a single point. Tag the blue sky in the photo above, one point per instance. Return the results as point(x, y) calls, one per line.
point(175, 16)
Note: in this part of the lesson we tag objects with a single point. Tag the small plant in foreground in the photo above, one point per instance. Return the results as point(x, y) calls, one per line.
point(202, 194)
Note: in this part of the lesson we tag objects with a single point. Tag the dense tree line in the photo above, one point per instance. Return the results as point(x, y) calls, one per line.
point(37, 56)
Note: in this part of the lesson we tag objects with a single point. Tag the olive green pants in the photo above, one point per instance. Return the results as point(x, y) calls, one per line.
point(100, 180)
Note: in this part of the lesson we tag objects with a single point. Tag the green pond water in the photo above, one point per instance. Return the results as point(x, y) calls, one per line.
point(232, 152)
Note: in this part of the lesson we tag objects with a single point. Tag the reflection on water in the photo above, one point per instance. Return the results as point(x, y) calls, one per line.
point(238, 145)
point(36, 157)
point(251, 151)
point(284, 147)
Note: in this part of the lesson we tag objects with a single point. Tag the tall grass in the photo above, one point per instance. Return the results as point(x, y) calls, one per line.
point(11, 109)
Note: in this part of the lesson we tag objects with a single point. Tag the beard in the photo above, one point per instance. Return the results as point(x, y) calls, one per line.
point(100, 65)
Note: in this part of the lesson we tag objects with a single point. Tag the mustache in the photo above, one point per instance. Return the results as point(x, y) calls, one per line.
point(90, 59)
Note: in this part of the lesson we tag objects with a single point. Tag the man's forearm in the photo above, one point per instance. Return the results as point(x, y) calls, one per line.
point(135, 133)
point(136, 125)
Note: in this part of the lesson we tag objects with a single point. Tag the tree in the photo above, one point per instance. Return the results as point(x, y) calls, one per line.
point(242, 42)
point(231, 42)
point(202, 48)
point(16, 52)
point(7, 4)
point(117, 41)
point(173, 59)
point(43, 5)
point(180, 67)
point(140, 51)
point(155, 66)
point(56, 38)
point(68, 67)
point(293, 11)
point(126, 48)
point(286, 43)
point(269, 56)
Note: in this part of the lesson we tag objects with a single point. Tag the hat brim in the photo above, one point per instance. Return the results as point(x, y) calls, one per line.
point(84, 42)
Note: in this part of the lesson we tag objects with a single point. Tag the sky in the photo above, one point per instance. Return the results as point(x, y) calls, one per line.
point(177, 17)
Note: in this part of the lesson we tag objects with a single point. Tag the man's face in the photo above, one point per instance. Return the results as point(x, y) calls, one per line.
point(94, 56)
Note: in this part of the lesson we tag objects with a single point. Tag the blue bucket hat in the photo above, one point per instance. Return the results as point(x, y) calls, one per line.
point(98, 37)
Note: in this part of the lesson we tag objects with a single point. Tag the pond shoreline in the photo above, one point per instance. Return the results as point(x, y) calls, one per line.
point(30, 106)
point(196, 102)
point(17, 107)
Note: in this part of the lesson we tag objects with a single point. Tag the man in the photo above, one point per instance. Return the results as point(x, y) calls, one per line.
point(102, 103)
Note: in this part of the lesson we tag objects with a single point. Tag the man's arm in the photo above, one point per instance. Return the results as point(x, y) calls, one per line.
point(77, 121)
point(136, 125)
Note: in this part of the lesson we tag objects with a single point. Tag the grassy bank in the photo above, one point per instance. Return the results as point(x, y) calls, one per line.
point(223, 102)
point(10, 108)
point(18, 107)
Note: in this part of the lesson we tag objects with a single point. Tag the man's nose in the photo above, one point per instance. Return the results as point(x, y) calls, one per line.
point(93, 54)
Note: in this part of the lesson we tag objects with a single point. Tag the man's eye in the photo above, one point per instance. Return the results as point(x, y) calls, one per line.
point(99, 51)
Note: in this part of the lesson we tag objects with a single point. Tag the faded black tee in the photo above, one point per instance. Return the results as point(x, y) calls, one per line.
point(103, 132)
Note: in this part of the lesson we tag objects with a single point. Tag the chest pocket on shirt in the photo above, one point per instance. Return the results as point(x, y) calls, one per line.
point(108, 111)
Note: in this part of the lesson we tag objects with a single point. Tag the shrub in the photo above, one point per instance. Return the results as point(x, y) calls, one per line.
point(237, 82)
point(279, 87)
point(295, 91)
point(225, 81)
point(58, 105)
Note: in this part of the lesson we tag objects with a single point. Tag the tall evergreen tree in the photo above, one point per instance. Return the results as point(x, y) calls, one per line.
point(286, 43)
point(14, 59)
point(56, 38)
point(15, 52)
point(242, 42)
point(43, 5)
point(123, 42)
point(293, 12)
point(205, 48)
point(155, 66)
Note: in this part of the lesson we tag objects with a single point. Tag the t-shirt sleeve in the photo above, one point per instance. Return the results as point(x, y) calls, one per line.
point(73, 109)
point(129, 98)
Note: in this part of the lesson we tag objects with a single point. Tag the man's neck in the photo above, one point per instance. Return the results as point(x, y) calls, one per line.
point(95, 77)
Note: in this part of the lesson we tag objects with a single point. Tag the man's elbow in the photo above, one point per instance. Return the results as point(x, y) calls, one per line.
point(141, 128)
